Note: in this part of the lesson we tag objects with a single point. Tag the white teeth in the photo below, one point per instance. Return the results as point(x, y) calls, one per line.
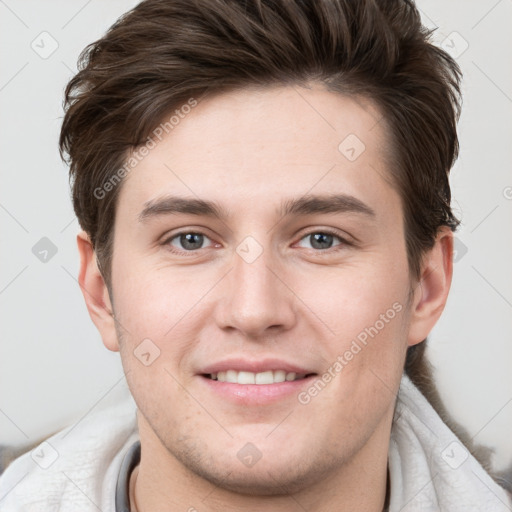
point(243, 377)
point(268, 377)
point(231, 376)
point(265, 378)
point(279, 376)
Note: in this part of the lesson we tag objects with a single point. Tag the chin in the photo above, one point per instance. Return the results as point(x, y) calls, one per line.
point(273, 475)
point(264, 481)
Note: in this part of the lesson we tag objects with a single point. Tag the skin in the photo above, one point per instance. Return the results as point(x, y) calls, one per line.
point(248, 150)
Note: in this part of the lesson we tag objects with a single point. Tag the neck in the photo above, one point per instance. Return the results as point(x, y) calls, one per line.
point(161, 482)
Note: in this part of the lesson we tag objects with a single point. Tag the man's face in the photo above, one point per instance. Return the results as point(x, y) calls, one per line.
point(257, 290)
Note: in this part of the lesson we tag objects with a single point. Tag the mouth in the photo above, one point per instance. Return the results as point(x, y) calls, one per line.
point(261, 388)
point(261, 378)
point(245, 381)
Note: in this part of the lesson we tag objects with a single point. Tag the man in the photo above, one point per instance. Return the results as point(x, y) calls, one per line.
point(267, 241)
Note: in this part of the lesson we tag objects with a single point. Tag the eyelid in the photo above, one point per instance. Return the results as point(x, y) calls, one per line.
point(168, 237)
point(345, 240)
point(342, 235)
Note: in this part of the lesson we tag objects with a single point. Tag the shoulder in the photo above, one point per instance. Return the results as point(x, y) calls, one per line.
point(77, 468)
point(431, 467)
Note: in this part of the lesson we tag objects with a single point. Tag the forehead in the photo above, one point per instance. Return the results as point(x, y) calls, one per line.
point(252, 147)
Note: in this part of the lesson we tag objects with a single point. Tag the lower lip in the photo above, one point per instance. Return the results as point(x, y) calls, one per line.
point(257, 394)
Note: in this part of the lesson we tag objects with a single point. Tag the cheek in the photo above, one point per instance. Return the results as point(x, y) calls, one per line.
point(365, 358)
point(156, 303)
point(354, 300)
point(156, 331)
point(366, 313)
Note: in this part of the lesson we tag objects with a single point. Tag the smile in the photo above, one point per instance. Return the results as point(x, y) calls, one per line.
point(266, 377)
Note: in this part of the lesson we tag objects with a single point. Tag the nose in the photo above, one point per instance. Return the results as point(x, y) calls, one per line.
point(256, 300)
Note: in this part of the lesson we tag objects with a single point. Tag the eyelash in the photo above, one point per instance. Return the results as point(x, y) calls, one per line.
point(343, 241)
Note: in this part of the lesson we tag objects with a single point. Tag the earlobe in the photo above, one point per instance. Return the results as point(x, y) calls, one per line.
point(95, 293)
point(431, 292)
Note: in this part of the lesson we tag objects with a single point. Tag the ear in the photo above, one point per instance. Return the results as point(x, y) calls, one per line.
point(95, 293)
point(431, 293)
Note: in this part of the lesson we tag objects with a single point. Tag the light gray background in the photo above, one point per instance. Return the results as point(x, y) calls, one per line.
point(53, 365)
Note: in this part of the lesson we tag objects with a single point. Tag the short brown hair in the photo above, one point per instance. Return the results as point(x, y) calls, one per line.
point(163, 52)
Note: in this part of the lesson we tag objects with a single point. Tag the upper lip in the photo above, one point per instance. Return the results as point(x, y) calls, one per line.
point(254, 366)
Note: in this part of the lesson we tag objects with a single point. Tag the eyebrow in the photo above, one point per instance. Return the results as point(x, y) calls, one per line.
point(306, 205)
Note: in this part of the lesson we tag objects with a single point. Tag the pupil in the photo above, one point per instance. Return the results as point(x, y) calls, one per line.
point(191, 240)
point(320, 240)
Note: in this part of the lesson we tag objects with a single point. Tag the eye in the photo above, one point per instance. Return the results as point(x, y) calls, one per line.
point(323, 240)
point(186, 241)
point(192, 241)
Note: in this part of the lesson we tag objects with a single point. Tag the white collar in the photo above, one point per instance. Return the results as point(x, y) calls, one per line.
point(430, 469)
